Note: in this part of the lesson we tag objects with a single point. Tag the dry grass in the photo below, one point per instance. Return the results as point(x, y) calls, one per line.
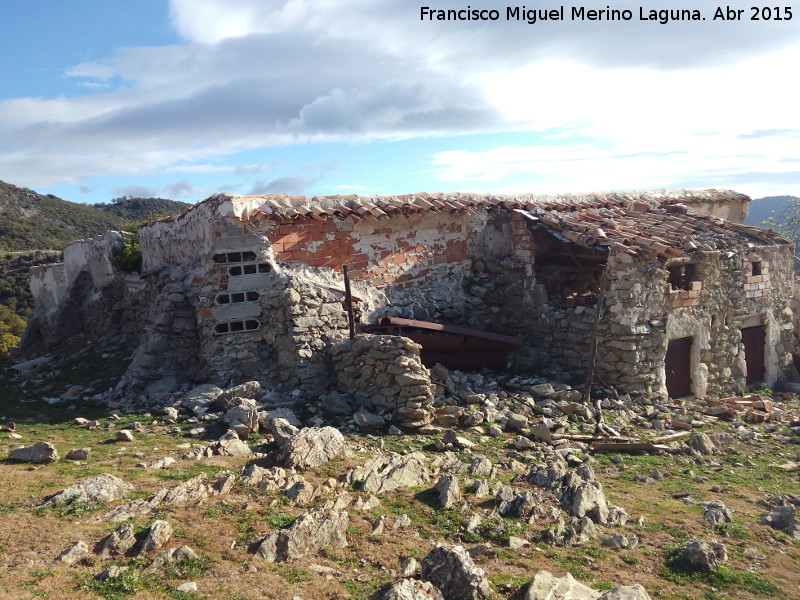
point(223, 530)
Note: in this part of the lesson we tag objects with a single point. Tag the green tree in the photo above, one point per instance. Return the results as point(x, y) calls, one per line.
point(11, 328)
point(787, 222)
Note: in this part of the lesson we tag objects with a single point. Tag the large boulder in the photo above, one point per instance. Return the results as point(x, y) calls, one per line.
point(701, 443)
point(103, 488)
point(40, 452)
point(780, 517)
point(451, 569)
point(702, 556)
point(546, 586)
point(310, 533)
point(229, 397)
point(715, 512)
point(511, 502)
point(311, 447)
point(387, 472)
point(449, 493)
point(282, 430)
point(201, 398)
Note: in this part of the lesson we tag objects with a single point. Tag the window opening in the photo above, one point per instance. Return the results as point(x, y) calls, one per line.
point(249, 269)
point(237, 326)
point(234, 257)
point(681, 276)
point(755, 267)
point(236, 297)
point(570, 273)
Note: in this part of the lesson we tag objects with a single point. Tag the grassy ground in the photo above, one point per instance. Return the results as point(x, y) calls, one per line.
point(763, 563)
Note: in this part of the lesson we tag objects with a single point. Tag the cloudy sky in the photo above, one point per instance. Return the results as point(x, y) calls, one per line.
point(185, 98)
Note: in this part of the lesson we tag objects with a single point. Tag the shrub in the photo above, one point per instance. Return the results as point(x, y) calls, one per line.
point(128, 256)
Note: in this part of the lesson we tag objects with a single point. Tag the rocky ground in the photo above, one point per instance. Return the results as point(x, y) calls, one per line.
point(512, 491)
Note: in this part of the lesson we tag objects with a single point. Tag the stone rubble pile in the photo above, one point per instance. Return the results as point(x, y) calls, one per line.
point(386, 376)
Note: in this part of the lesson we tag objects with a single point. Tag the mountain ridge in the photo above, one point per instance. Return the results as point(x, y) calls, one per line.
point(33, 221)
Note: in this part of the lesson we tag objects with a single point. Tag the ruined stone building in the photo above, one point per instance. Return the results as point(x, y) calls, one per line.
point(239, 287)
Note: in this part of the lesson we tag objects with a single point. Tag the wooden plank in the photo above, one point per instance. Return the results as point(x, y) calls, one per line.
point(674, 437)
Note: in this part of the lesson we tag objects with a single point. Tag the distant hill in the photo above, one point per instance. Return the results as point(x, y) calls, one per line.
point(31, 221)
point(762, 209)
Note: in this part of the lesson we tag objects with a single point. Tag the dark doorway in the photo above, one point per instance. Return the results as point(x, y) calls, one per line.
point(678, 367)
point(753, 339)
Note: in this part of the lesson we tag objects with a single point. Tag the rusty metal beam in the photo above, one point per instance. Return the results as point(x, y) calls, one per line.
point(453, 329)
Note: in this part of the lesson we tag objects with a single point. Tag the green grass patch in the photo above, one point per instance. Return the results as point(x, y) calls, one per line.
point(678, 570)
point(279, 520)
point(6, 508)
point(177, 474)
point(291, 574)
point(70, 508)
point(189, 568)
point(496, 529)
point(117, 588)
point(506, 583)
point(220, 509)
point(178, 595)
point(735, 528)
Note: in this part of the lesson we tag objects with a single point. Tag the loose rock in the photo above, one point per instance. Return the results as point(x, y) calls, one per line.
point(412, 589)
point(311, 447)
point(311, 532)
point(40, 452)
point(451, 569)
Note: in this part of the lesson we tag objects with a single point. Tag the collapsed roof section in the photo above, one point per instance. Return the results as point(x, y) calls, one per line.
point(670, 231)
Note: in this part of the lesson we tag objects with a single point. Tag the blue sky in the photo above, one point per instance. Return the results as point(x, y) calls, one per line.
point(185, 98)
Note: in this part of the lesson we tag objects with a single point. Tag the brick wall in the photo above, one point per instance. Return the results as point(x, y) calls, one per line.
point(386, 256)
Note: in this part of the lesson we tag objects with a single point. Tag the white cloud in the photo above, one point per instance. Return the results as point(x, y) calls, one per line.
point(251, 74)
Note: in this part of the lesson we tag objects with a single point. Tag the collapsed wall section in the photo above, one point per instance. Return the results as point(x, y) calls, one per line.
point(81, 294)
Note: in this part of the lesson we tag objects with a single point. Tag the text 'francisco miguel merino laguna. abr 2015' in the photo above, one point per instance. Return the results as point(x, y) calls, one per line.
point(582, 13)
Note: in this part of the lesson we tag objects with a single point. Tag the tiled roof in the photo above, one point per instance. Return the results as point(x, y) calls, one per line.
point(655, 222)
point(283, 208)
point(667, 231)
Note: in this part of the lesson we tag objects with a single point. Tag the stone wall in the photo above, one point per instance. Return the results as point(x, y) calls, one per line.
point(421, 263)
point(386, 376)
point(237, 300)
